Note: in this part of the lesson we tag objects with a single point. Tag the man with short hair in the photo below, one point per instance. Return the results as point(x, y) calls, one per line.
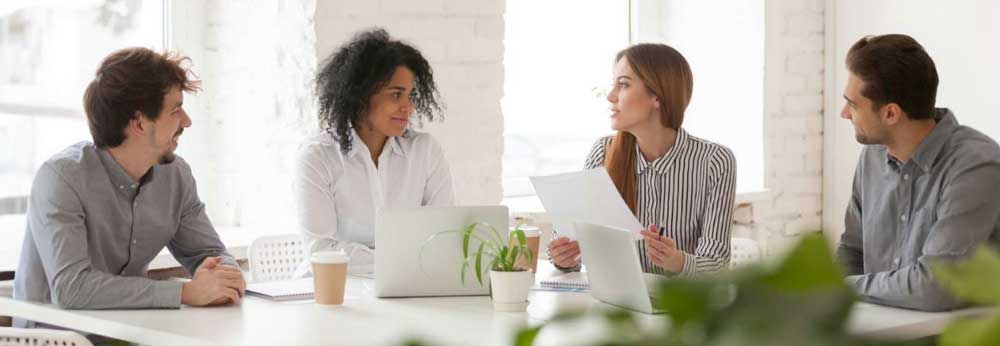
point(925, 189)
point(100, 212)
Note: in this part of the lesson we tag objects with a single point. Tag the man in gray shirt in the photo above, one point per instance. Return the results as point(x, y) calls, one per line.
point(100, 212)
point(926, 189)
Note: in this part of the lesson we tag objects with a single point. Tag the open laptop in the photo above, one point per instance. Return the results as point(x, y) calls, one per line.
point(613, 268)
point(407, 265)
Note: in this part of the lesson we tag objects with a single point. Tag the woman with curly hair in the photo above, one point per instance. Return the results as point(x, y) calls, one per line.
point(367, 157)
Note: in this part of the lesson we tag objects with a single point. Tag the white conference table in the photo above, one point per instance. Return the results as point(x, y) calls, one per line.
point(366, 320)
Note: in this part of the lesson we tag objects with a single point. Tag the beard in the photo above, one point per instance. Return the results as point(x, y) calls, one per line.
point(863, 139)
point(167, 158)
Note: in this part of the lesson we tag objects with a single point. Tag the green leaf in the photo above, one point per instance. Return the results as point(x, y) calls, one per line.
point(479, 263)
point(526, 336)
point(976, 279)
point(465, 242)
point(809, 267)
point(972, 332)
point(465, 266)
point(519, 235)
point(514, 252)
point(686, 300)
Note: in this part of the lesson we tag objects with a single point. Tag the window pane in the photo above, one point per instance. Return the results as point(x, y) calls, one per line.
point(555, 76)
point(50, 51)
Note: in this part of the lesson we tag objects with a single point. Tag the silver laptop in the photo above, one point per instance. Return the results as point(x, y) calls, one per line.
point(613, 268)
point(406, 265)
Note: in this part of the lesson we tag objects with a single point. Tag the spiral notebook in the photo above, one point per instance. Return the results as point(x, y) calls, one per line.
point(574, 281)
point(297, 289)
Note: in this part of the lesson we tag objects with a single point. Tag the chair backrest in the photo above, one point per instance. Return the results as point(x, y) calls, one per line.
point(744, 251)
point(275, 258)
point(40, 337)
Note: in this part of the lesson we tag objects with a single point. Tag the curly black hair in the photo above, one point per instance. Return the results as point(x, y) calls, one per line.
point(358, 69)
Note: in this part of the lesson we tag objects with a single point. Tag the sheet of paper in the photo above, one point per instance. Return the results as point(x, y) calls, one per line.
point(587, 196)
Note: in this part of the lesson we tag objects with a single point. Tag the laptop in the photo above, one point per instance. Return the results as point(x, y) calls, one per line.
point(407, 265)
point(613, 268)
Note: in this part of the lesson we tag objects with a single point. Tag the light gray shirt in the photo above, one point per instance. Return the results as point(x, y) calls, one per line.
point(903, 216)
point(92, 232)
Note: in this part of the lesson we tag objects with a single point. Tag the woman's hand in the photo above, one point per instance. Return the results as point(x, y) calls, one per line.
point(662, 250)
point(565, 253)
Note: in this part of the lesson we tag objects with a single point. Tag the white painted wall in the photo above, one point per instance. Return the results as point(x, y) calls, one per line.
point(961, 37)
point(463, 41)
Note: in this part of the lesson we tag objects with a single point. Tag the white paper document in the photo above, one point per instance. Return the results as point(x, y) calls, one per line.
point(587, 196)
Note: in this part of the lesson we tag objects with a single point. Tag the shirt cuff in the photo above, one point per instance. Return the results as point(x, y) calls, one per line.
point(575, 268)
point(167, 294)
point(228, 259)
point(690, 265)
point(853, 281)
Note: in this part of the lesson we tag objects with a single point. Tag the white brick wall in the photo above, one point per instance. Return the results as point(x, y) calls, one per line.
point(793, 123)
point(463, 41)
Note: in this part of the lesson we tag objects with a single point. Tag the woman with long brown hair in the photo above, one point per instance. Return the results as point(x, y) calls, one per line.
point(682, 186)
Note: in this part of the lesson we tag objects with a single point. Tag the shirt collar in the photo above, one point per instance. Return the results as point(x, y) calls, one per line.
point(392, 143)
point(119, 178)
point(929, 149)
point(662, 164)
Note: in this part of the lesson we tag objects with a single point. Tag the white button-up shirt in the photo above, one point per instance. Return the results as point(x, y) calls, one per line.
point(339, 195)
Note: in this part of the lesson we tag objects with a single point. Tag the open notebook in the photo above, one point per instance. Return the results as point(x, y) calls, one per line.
point(283, 290)
point(573, 280)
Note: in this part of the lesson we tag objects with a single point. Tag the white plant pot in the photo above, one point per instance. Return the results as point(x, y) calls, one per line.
point(510, 289)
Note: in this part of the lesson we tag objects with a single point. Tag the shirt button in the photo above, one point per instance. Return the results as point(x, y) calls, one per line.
point(906, 177)
point(134, 185)
point(903, 217)
point(121, 187)
point(895, 261)
point(133, 242)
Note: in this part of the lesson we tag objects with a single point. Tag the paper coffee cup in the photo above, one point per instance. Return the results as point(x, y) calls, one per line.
point(532, 236)
point(329, 276)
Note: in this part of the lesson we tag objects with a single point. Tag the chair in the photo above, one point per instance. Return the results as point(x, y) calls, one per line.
point(275, 258)
point(40, 337)
point(744, 251)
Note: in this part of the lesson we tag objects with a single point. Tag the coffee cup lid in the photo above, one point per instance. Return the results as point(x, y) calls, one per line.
point(332, 257)
point(529, 231)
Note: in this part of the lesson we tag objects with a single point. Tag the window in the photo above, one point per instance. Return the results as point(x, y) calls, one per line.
point(725, 47)
point(48, 53)
point(557, 67)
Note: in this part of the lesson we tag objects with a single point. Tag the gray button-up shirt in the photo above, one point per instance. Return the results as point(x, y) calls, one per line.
point(92, 232)
point(903, 216)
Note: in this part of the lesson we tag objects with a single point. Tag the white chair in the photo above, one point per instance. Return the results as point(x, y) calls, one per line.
point(275, 258)
point(744, 251)
point(40, 337)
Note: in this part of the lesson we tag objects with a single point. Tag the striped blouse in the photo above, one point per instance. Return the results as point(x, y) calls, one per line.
point(689, 193)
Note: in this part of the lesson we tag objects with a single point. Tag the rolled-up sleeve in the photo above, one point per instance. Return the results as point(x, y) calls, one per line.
point(56, 222)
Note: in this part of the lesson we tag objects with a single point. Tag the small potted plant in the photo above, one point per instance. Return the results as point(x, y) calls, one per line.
point(484, 248)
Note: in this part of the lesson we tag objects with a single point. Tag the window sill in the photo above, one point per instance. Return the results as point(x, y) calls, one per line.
point(529, 206)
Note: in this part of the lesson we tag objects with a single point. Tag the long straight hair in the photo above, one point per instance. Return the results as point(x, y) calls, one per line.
point(667, 76)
